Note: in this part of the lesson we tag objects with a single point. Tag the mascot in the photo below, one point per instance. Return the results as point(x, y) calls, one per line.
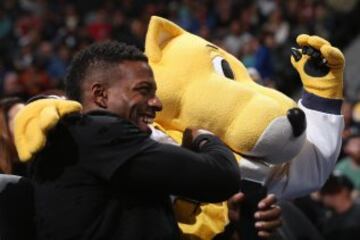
point(289, 147)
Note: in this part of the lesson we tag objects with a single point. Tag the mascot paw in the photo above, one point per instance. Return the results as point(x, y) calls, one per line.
point(320, 66)
point(34, 121)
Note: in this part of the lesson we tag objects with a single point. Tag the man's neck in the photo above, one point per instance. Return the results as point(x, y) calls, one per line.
point(91, 108)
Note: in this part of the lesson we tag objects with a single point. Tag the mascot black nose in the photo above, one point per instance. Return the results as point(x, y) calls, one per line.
point(297, 120)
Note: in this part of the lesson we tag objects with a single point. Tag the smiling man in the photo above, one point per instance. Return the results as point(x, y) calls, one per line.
point(101, 176)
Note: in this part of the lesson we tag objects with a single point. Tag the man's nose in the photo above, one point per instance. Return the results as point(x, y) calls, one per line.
point(155, 103)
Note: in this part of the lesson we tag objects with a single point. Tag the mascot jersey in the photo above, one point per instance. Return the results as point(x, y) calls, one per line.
point(291, 148)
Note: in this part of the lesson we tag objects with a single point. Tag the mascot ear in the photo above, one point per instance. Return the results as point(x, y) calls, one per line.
point(159, 33)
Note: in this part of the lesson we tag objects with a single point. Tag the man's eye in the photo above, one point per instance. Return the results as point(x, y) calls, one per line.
point(144, 90)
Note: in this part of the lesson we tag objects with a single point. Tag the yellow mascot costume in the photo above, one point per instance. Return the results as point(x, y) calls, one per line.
point(202, 86)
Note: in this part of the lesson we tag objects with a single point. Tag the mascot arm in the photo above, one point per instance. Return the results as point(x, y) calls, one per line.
point(309, 170)
point(34, 121)
point(321, 69)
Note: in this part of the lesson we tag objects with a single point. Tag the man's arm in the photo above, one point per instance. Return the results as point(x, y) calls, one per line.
point(210, 174)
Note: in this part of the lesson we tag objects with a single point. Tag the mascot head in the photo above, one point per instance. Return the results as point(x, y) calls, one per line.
point(203, 86)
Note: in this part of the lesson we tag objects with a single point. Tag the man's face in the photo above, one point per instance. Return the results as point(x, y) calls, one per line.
point(352, 148)
point(336, 201)
point(131, 94)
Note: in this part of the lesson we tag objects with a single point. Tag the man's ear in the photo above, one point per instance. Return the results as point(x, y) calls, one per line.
point(99, 94)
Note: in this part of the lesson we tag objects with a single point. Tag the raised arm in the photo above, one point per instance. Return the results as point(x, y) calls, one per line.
point(321, 68)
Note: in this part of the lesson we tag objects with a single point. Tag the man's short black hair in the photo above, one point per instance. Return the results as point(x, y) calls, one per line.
point(335, 183)
point(96, 56)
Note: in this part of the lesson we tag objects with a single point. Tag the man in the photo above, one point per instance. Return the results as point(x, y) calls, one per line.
point(101, 176)
point(344, 222)
point(350, 165)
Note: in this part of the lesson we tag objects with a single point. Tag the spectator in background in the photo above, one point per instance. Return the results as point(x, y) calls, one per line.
point(346, 111)
point(121, 30)
point(58, 64)
point(138, 29)
point(11, 86)
point(344, 222)
point(35, 79)
point(9, 162)
point(278, 26)
point(24, 57)
point(350, 165)
point(100, 29)
point(356, 118)
point(321, 20)
point(185, 16)
point(222, 11)
point(5, 25)
point(263, 58)
point(236, 38)
point(71, 18)
point(248, 51)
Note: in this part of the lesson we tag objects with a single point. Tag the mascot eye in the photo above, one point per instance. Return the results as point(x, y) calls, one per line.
point(222, 67)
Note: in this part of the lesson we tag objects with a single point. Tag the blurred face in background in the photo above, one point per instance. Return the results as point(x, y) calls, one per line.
point(340, 201)
point(346, 111)
point(352, 148)
point(12, 85)
point(11, 115)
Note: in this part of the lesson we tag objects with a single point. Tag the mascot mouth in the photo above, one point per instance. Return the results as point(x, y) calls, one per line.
point(251, 158)
point(282, 140)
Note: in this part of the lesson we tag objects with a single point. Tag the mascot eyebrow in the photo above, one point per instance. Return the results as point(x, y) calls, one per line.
point(212, 46)
point(225, 66)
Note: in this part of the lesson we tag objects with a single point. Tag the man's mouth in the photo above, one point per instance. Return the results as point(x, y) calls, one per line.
point(143, 119)
point(147, 119)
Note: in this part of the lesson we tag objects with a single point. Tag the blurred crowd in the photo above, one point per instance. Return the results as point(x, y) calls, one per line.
point(39, 37)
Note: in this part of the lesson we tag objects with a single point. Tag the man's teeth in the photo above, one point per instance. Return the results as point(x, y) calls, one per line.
point(148, 120)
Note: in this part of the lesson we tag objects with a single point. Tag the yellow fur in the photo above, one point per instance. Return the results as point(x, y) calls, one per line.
point(34, 121)
point(331, 85)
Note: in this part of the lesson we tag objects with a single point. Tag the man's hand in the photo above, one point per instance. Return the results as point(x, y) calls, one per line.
point(190, 135)
point(267, 217)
